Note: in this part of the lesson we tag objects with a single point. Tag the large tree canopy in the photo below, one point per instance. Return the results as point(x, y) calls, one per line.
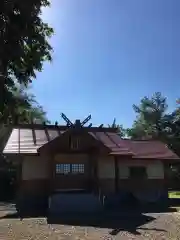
point(23, 45)
point(151, 113)
point(24, 108)
point(154, 122)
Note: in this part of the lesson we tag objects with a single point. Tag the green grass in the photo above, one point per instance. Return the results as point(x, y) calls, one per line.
point(174, 194)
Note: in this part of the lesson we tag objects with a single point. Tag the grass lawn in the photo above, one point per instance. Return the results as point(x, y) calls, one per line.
point(174, 194)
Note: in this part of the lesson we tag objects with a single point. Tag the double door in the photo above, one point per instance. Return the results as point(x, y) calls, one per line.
point(71, 174)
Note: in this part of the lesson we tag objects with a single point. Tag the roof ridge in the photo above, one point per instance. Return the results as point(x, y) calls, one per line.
point(60, 127)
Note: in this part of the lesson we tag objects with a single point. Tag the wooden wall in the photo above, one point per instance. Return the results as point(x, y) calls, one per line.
point(37, 173)
point(154, 168)
point(76, 181)
point(106, 174)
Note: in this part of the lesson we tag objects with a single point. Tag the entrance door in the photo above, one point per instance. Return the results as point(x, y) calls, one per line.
point(71, 176)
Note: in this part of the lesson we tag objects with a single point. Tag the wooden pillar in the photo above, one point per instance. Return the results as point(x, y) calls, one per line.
point(93, 171)
point(51, 173)
point(96, 183)
point(90, 173)
point(19, 174)
point(116, 179)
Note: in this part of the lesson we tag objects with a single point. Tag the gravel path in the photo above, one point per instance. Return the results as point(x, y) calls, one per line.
point(132, 226)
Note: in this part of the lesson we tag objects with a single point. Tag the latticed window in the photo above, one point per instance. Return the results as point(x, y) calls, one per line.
point(62, 168)
point(77, 168)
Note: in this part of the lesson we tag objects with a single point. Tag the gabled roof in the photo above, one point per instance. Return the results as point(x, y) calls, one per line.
point(28, 140)
point(57, 141)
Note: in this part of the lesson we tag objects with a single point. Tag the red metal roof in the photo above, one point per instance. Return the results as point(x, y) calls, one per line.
point(28, 140)
point(113, 142)
point(150, 149)
point(23, 141)
point(145, 149)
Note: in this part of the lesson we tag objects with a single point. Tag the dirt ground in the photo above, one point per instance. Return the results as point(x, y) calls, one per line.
point(110, 226)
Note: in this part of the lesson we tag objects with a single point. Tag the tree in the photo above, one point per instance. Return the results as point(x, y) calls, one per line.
point(120, 129)
point(171, 126)
point(23, 45)
point(26, 108)
point(153, 122)
point(150, 117)
point(23, 107)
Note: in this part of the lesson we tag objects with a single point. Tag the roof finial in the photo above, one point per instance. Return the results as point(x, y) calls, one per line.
point(66, 119)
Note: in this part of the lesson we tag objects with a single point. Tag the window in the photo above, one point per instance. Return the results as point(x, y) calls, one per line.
point(77, 168)
point(138, 172)
point(69, 168)
point(62, 168)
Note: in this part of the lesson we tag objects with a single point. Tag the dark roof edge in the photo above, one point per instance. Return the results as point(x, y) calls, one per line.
point(61, 127)
point(142, 140)
point(20, 154)
point(172, 160)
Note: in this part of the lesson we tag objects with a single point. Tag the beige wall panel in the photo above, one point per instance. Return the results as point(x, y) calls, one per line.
point(106, 168)
point(35, 167)
point(155, 168)
point(123, 171)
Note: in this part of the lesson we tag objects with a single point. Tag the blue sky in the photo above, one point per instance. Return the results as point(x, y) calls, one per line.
point(108, 54)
